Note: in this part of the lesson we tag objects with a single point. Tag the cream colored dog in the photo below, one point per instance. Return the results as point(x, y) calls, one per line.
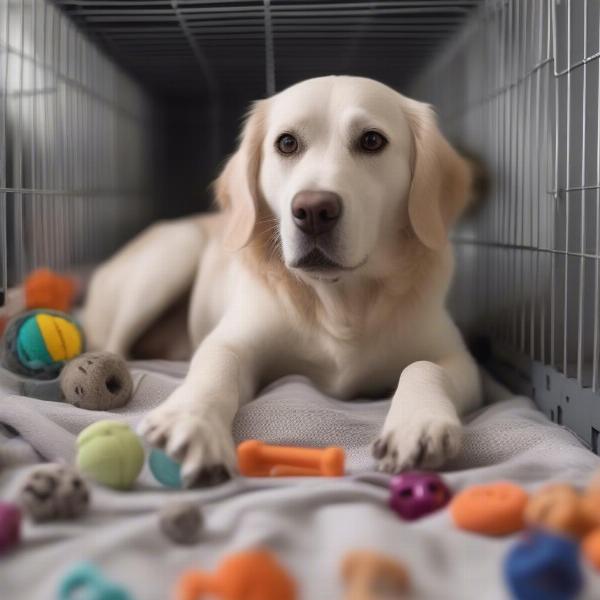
point(329, 258)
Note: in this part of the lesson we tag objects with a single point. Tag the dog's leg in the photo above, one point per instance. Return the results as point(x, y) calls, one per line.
point(194, 425)
point(423, 428)
point(140, 282)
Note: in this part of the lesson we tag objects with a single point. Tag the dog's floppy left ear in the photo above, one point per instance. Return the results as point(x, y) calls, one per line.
point(441, 179)
point(236, 189)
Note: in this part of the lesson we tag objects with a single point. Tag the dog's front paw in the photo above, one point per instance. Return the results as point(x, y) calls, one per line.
point(426, 443)
point(195, 436)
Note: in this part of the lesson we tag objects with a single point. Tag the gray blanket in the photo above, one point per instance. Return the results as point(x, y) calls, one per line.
point(309, 523)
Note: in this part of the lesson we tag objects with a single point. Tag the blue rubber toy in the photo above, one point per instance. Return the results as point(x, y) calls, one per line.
point(543, 565)
point(85, 581)
point(165, 469)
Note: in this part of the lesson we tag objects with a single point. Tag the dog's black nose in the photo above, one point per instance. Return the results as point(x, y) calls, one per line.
point(316, 212)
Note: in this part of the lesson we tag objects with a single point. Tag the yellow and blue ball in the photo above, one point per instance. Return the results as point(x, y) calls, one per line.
point(38, 343)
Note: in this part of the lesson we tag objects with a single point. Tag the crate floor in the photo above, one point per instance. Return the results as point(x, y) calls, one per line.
point(309, 523)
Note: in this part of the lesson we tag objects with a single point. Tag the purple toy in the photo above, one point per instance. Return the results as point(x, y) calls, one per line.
point(415, 494)
point(10, 526)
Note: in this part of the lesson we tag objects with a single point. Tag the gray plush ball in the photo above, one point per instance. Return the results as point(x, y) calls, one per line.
point(54, 492)
point(181, 522)
point(96, 381)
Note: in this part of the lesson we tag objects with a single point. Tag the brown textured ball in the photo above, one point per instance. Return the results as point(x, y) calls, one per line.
point(54, 492)
point(96, 381)
point(181, 522)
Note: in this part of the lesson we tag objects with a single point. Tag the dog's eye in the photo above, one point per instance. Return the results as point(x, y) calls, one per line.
point(372, 141)
point(287, 144)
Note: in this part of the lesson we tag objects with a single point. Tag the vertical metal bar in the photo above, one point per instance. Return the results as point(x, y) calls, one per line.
point(580, 324)
point(596, 358)
point(269, 49)
point(4, 18)
point(555, 199)
point(567, 201)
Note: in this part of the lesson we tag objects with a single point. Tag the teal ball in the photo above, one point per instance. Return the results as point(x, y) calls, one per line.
point(165, 469)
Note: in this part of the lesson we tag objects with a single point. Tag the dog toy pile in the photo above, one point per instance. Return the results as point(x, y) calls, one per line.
point(562, 523)
point(38, 345)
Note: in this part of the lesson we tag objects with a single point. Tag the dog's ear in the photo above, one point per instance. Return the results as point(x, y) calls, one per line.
point(441, 179)
point(237, 189)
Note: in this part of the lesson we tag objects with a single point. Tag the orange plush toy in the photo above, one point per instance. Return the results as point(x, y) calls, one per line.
point(250, 575)
point(490, 509)
point(46, 289)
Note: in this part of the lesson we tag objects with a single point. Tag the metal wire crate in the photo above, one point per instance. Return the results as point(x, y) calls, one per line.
point(114, 111)
point(73, 145)
point(520, 88)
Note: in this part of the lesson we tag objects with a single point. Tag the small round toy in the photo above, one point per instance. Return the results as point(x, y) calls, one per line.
point(415, 494)
point(54, 491)
point(44, 288)
point(591, 548)
point(490, 509)
point(544, 565)
point(110, 453)
point(181, 522)
point(10, 526)
point(558, 508)
point(243, 576)
point(96, 381)
point(86, 581)
point(37, 343)
point(369, 575)
point(165, 469)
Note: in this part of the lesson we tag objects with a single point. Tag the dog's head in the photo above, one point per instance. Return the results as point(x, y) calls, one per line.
point(342, 166)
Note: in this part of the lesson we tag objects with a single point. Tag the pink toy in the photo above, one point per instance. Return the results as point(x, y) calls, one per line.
point(418, 493)
point(10, 526)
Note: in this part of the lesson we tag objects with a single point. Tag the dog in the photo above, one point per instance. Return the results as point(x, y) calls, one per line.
point(329, 257)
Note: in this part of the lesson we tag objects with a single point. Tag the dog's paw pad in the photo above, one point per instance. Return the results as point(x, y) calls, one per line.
point(428, 445)
point(195, 436)
point(209, 476)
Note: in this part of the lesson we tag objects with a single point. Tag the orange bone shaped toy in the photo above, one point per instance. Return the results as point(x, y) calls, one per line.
point(250, 575)
point(257, 459)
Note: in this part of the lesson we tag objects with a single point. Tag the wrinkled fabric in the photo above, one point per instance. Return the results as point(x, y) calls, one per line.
point(310, 523)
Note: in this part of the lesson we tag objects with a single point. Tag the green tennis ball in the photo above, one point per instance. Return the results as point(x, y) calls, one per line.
point(110, 453)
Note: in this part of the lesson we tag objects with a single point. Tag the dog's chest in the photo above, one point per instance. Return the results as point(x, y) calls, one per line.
point(363, 366)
